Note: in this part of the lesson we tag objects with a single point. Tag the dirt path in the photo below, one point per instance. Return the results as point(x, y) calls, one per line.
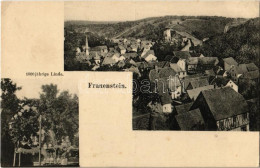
point(120, 34)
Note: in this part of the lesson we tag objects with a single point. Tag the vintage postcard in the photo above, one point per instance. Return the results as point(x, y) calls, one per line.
point(130, 84)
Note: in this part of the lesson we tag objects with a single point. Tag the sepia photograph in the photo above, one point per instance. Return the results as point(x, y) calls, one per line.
point(191, 70)
point(39, 123)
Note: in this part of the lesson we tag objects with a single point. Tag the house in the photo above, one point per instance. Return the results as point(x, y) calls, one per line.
point(149, 56)
point(116, 57)
point(251, 67)
point(121, 49)
point(192, 64)
point(102, 49)
point(190, 120)
point(170, 85)
point(182, 73)
point(228, 63)
point(111, 53)
point(186, 81)
point(182, 64)
point(193, 84)
point(252, 75)
point(92, 55)
point(97, 59)
point(183, 108)
point(237, 71)
point(175, 87)
point(130, 55)
point(130, 62)
point(224, 82)
point(180, 58)
point(111, 49)
point(194, 93)
point(121, 58)
point(223, 109)
point(163, 91)
point(121, 64)
point(133, 48)
point(82, 57)
point(144, 49)
point(206, 63)
point(166, 103)
point(167, 72)
point(108, 61)
point(146, 44)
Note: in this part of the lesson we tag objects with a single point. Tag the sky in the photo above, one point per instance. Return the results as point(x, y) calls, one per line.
point(135, 10)
point(31, 88)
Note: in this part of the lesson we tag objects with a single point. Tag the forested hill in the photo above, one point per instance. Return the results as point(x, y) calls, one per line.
point(241, 42)
point(152, 28)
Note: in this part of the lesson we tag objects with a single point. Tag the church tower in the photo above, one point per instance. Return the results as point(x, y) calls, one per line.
point(87, 48)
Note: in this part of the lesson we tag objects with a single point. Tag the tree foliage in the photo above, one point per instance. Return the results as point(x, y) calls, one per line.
point(60, 112)
point(248, 88)
point(9, 106)
point(241, 43)
point(24, 124)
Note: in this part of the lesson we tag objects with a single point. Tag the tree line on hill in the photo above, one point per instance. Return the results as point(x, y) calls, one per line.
point(241, 43)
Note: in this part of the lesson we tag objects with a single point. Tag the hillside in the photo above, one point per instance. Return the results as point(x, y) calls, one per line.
point(151, 28)
point(240, 42)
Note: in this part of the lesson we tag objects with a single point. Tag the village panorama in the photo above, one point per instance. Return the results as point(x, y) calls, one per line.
point(189, 72)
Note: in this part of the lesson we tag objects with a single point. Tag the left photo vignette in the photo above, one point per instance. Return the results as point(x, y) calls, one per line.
point(39, 123)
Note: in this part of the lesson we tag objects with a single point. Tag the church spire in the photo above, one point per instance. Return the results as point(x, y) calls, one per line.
point(87, 48)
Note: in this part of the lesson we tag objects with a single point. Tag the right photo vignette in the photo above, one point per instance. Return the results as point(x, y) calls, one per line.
point(191, 72)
